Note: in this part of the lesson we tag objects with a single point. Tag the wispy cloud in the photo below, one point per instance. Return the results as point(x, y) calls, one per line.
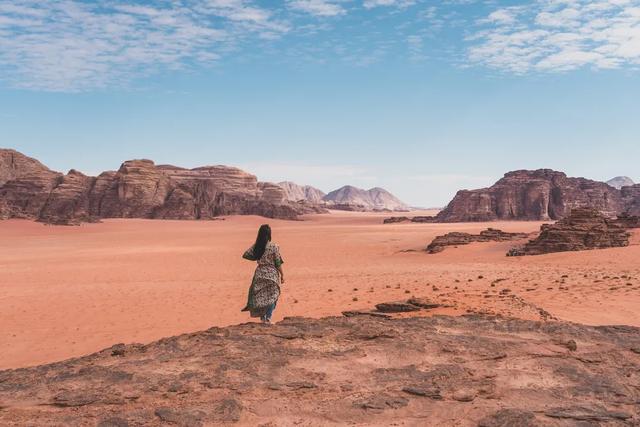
point(317, 7)
point(370, 4)
point(70, 45)
point(559, 35)
point(77, 45)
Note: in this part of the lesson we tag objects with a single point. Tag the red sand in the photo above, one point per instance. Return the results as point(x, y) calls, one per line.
point(69, 291)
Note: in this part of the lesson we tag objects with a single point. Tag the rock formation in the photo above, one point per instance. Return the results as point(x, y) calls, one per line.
point(139, 189)
point(631, 199)
point(628, 221)
point(353, 198)
point(584, 229)
point(620, 181)
point(306, 193)
point(359, 370)
point(538, 195)
point(418, 219)
point(456, 238)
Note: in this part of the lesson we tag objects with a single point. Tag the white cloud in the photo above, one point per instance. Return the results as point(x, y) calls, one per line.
point(370, 4)
point(317, 7)
point(554, 35)
point(73, 46)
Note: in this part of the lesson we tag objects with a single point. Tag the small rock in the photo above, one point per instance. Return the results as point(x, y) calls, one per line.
point(433, 393)
point(228, 410)
point(182, 418)
point(299, 385)
point(509, 418)
point(69, 399)
point(118, 350)
point(113, 422)
point(353, 313)
point(587, 413)
point(423, 303)
point(464, 396)
point(396, 307)
point(382, 403)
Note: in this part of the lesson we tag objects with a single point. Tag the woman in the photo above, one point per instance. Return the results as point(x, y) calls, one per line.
point(265, 287)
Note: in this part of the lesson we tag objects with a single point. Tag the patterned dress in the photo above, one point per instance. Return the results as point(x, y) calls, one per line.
point(265, 287)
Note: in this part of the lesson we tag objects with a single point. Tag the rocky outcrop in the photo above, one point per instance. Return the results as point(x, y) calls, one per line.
point(357, 199)
point(306, 193)
point(628, 221)
point(456, 238)
point(539, 195)
point(620, 181)
point(584, 229)
point(25, 185)
point(631, 199)
point(415, 219)
point(358, 370)
point(139, 189)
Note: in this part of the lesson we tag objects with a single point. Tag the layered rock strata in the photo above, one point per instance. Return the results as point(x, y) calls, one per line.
point(139, 189)
point(539, 195)
point(440, 243)
point(584, 229)
point(359, 370)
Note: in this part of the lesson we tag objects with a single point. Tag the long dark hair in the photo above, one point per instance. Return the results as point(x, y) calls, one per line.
point(264, 237)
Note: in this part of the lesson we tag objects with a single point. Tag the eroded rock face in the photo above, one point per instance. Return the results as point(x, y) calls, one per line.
point(25, 185)
point(139, 189)
point(360, 370)
point(584, 229)
point(539, 195)
point(307, 193)
point(456, 238)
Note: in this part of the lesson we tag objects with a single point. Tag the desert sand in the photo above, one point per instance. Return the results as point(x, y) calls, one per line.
point(70, 291)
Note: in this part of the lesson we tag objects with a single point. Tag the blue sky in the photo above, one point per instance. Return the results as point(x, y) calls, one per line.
point(420, 97)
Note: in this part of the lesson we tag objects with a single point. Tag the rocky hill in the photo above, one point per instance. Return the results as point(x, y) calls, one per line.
point(139, 189)
point(620, 181)
point(307, 193)
point(353, 198)
point(541, 194)
point(583, 229)
point(362, 370)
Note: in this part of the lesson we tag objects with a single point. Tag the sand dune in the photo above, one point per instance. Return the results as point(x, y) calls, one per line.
point(69, 291)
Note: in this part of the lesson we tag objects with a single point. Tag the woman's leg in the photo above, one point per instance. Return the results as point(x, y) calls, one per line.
point(269, 312)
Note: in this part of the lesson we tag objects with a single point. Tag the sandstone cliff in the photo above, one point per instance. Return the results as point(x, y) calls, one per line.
point(542, 194)
point(296, 193)
point(361, 370)
point(139, 189)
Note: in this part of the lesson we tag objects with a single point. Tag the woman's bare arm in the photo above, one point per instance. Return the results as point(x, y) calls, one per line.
point(281, 274)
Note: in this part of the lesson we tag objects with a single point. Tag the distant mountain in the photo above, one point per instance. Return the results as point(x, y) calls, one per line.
point(620, 181)
point(353, 198)
point(296, 193)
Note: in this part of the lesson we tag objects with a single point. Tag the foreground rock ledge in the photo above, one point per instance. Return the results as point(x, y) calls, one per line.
point(363, 370)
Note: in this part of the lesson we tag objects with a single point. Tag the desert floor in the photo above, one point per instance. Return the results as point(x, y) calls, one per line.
point(69, 291)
